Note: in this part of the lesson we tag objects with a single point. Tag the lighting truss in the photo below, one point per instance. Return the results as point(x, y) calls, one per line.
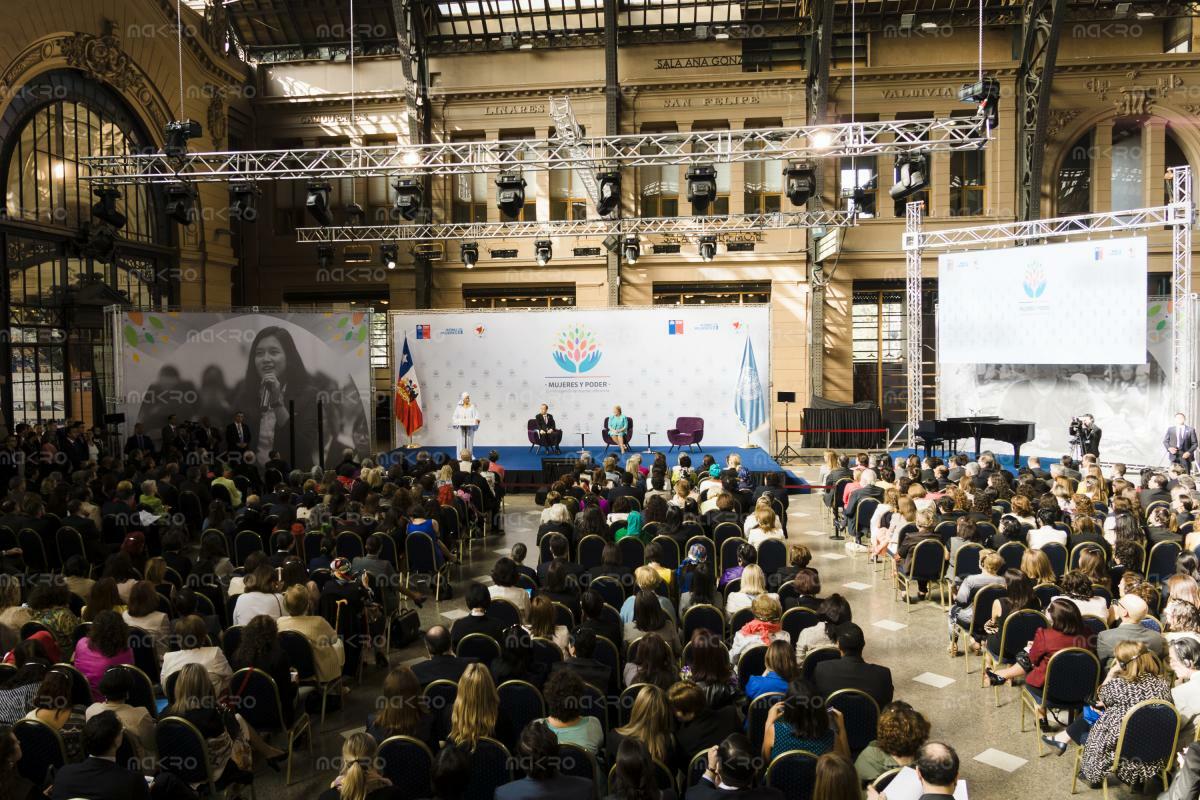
point(630, 226)
point(568, 130)
point(1178, 215)
point(634, 150)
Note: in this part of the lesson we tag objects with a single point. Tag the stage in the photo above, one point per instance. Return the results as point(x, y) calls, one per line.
point(525, 470)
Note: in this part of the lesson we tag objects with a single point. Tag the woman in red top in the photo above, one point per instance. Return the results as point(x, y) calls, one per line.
point(1066, 630)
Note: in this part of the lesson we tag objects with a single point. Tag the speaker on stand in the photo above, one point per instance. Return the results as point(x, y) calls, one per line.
point(787, 451)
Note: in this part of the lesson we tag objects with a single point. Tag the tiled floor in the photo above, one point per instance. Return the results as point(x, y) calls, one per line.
point(998, 761)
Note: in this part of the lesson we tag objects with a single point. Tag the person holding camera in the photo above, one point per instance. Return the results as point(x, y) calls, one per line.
point(1085, 435)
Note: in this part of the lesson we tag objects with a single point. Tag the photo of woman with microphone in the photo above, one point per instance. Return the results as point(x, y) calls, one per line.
point(275, 375)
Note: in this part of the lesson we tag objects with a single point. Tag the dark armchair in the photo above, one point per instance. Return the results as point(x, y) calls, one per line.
point(537, 441)
point(609, 441)
point(688, 432)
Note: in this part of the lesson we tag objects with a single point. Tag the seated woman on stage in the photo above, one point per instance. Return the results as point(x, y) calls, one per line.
point(618, 428)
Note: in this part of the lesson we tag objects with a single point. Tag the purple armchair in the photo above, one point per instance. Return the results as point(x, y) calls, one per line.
point(688, 431)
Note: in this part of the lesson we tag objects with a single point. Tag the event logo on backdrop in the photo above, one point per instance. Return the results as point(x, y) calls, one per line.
point(582, 362)
point(199, 365)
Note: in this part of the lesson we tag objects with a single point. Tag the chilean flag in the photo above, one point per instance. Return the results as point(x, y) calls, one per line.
point(676, 327)
point(408, 390)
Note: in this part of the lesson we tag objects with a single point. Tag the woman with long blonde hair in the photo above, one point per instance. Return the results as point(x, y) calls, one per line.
point(1036, 566)
point(879, 533)
point(359, 777)
point(829, 462)
point(650, 722)
point(476, 707)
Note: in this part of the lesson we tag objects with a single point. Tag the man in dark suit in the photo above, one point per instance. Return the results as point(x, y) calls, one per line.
point(139, 441)
point(1156, 491)
point(1186, 783)
point(171, 438)
point(548, 434)
point(442, 664)
point(559, 551)
point(275, 461)
point(937, 767)
point(1180, 442)
point(88, 531)
point(237, 434)
point(841, 472)
point(774, 487)
point(730, 773)
point(1089, 436)
point(1035, 467)
point(477, 621)
point(99, 777)
point(851, 672)
point(699, 725)
point(582, 661)
point(867, 490)
point(624, 489)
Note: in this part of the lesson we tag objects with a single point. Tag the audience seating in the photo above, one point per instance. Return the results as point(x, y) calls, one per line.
point(183, 751)
point(794, 773)
point(1072, 677)
point(1149, 732)
point(491, 768)
point(265, 712)
point(42, 750)
point(860, 714)
point(300, 655)
point(520, 704)
point(408, 763)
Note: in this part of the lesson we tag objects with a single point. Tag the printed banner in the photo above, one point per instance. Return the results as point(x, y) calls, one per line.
point(210, 365)
point(657, 363)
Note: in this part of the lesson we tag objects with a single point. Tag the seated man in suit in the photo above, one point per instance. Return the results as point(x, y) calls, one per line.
point(730, 772)
point(581, 660)
point(548, 434)
point(476, 621)
point(867, 491)
point(851, 672)
point(538, 751)
point(560, 551)
point(88, 531)
point(1130, 610)
point(1156, 491)
point(99, 777)
point(442, 664)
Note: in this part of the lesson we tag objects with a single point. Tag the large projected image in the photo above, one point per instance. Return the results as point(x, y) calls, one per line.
point(196, 365)
point(1130, 401)
point(656, 363)
point(1072, 303)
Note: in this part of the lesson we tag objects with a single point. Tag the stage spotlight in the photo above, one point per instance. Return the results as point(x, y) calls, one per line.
point(510, 198)
point(105, 209)
point(910, 175)
point(801, 182)
point(985, 94)
point(389, 254)
point(181, 203)
point(408, 198)
point(470, 254)
point(631, 249)
point(177, 134)
point(543, 251)
point(702, 187)
point(609, 187)
point(822, 139)
point(325, 256)
point(242, 197)
point(708, 248)
point(317, 203)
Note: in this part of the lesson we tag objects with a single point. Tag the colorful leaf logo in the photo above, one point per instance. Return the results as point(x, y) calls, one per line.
point(1035, 281)
point(577, 349)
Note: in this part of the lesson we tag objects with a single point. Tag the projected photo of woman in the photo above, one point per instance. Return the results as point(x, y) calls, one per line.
point(275, 376)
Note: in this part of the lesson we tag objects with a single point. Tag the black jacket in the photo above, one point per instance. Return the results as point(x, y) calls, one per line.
point(705, 790)
point(708, 728)
point(851, 672)
point(246, 442)
point(98, 779)
point(592, 671)
point(472, 624)
point(437, 668)
point(560, 787)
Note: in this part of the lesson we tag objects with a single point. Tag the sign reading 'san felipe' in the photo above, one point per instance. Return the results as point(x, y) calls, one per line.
point(657, 363)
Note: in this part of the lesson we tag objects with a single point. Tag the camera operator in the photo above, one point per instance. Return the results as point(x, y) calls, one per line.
point(1085, 436)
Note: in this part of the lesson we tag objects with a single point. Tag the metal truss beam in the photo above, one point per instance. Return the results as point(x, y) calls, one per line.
point(630, 226)
point(1042, 21)
point(912, 321)
point(568, 130)
point(817, 61)
point(636, 150)
point(1036, 230)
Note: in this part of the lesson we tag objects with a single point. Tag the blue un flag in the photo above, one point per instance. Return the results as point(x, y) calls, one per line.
point(749, 402)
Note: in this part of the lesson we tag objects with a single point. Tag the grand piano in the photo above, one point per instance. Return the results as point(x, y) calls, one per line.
point(1015, 432)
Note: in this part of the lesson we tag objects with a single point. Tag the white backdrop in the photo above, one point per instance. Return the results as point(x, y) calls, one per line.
point(658, 363)
point(1070, 303)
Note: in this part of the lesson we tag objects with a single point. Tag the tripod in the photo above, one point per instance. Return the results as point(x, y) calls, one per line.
point(787, 451)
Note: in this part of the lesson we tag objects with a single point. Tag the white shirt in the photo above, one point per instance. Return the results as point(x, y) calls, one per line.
point(513, 594)
point(466, 415)
point(739, 600)
point(211, 658)
point(250, 604)
point(1096, 606)
point(758, 536)
point(1041, 536)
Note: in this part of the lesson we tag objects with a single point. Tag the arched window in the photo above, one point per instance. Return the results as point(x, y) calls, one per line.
point(53, 297)
point(1074, 187)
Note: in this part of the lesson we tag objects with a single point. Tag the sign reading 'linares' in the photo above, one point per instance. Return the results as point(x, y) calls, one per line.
point(698, 62)
point(502, 111)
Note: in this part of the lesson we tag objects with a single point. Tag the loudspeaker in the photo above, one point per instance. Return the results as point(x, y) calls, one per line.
point(785, 397)
point(114, 419)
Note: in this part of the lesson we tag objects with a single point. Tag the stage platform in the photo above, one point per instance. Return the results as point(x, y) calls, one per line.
point(526, 470)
